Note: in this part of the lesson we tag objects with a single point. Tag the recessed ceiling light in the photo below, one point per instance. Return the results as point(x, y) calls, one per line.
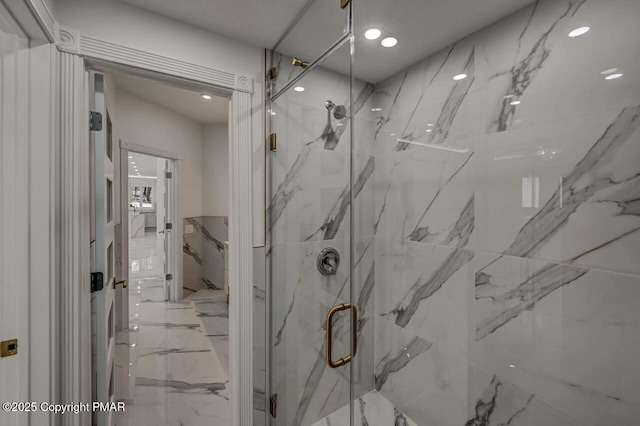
point(389, 42)
point(613, 76)
point(299, 89)
point(273, 113)
point(515, 103)
point(372, 34)
point(393, 134)
point(130, 157)
point(459, 76)
point(206, 97)
point(429, 124)
point(376, 109)
point(579, 31)
point(133, 162)
point(509, 96)
point(609, 71)
point(429, 130)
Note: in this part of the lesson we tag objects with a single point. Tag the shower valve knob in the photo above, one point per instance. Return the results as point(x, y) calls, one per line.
point(328, 261)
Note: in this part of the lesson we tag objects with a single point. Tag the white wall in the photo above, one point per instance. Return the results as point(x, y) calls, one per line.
point(215, 164)
point(124, 24)
point(144, 123)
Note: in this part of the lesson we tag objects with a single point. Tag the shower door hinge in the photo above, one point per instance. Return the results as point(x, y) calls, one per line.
point(95, 121)
point(273, 405)
point(272, 74)
point(168, 175)
point(168, 277)
point(344, 3)
point(273, 142)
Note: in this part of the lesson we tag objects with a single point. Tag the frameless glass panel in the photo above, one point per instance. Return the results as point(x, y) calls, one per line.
point(310, 217)
point(316, 31)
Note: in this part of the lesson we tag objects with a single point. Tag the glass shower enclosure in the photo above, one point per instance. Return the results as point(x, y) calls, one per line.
point(453, 221)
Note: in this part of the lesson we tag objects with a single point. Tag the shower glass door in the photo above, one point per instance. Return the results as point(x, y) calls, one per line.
point(310, 231)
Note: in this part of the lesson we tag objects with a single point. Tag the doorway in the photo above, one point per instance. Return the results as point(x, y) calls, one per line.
point(169, 353)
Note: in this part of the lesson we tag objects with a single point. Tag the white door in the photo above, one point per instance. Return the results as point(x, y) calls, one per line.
point(169, 227)
point(103, 252)
point(161, 267)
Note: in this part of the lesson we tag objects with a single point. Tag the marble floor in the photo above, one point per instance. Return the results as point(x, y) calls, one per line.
point(172, 363)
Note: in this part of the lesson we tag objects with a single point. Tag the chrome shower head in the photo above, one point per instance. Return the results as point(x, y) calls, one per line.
point(339, 111)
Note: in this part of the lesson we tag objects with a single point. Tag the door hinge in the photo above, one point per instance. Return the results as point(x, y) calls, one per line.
point(168, 226)
point(168, 175)
point(97, 281)
point(344, 3)
point(168, 277)
point(272, 74)
point(273, 142)
point(273, 405)
point(95, 121)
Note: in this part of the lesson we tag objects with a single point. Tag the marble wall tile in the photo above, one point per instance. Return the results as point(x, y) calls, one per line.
point(566, 336)
point(538, 197)
point(582, 180)
point(203, 253)
point(498, 214)
point(422, 329)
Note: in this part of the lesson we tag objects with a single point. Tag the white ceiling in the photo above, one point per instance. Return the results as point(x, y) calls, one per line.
point(257, 22)
point(422, 27)
point(185, 102)
point(146, 165)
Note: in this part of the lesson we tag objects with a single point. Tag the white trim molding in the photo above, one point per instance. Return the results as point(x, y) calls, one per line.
point(149, 150)
point(45, 17)
point(78, 51)
point(93, 48)
point(241, 260)
point(74, 236)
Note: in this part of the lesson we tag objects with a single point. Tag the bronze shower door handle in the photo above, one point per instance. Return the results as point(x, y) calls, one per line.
point(332, 312)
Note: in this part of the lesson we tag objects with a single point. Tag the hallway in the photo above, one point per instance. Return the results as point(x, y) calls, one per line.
point(172, 363)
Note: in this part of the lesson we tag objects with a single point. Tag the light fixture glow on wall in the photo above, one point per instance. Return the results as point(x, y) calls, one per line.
point(458, 77)
point(206, 97)
point(579, 31)
point(372, 34)
point(299, 89)
point(613, 76)
point(389, 42)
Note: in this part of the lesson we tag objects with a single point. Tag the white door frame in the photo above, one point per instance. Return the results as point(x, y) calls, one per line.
point(175, 259)
point(78, 53)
